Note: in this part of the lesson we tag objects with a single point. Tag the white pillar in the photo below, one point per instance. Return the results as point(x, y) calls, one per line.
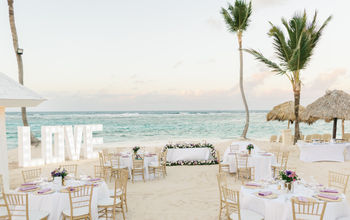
point(4, 166)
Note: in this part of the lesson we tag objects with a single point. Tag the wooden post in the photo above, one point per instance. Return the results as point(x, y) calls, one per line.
point(288, 123)
point(335, 128)
point(342, 128)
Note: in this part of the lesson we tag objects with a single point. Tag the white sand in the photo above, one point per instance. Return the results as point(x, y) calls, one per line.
point(188, 192)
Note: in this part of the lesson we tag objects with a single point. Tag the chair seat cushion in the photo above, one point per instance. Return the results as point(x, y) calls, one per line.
point(247, 214)
point(107, 202)
point(119, 192)
point(77, 212)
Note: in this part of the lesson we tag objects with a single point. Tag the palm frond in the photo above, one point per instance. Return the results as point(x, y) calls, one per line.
point(273, 66)
point(237, 17)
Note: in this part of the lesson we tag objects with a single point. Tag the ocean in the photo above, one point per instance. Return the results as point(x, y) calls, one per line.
point(160, 127)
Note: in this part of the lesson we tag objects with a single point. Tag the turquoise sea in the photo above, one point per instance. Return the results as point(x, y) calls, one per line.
point(161, 126)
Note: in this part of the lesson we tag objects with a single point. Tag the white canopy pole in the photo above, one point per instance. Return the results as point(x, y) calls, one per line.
point(4, 169)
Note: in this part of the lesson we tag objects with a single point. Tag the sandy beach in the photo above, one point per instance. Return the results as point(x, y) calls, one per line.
point(188, 192)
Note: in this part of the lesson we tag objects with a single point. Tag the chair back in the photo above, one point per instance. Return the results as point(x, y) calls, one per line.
point(114, 160)
point(284, 159)
point(241, 161)
point(17, 205)
point(137, 163)
point(280, 139)
point(338, 180)
point(326, 137)
point(231, 196)
point(308, 138)
point(307, 209)
point(316, 137)
point(234, 148)
point(163, 158)
point(99, 172)
point(273, 138)
point(346, 136)
point(302, 137)
point(30, 175)
point(71, 169)
point(80, 197)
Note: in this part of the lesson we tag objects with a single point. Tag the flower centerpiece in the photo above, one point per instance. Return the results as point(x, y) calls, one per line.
point(135, 149)
point(288, 177)
point(58, 175)
point(250, 147)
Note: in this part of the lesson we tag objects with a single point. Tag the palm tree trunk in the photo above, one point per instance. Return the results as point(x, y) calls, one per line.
point(245, 130)
point(296, 111)
point(34, 140)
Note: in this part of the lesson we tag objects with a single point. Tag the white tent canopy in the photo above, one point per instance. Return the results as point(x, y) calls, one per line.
point(12, 94)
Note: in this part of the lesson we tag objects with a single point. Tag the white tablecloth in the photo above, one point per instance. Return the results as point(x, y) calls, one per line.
point(311, 152)
point(56, 202)
point(174, 155)
point(262, 165)
point(281, 207)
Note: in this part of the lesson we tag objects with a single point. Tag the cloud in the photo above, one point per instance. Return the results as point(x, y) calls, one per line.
point(178, 64)
point(215, 24)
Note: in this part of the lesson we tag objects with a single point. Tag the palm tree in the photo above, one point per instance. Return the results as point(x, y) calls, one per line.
point(293, 52)
point(237, 20)
point(19, 62)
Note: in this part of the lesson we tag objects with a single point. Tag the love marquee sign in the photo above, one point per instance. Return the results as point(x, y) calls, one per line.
point(59, 143)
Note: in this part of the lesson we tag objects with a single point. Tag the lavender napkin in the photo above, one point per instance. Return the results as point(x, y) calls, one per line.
point(252, 184)
point(329, 191)
point(95, 179)
point(44, 190)
point(328, 196)
point(267, 193)
point(27, 188)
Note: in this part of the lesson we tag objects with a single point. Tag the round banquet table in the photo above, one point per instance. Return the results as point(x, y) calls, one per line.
point(56, 202)
point(126, 160)
point(242, 146)
point(281, 207)
point(261, 163)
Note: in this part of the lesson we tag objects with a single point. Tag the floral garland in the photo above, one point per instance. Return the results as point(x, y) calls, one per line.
point(192, 162)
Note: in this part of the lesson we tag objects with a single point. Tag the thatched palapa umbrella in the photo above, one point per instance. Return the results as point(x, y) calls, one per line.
point(285, 112)
point(332, 106)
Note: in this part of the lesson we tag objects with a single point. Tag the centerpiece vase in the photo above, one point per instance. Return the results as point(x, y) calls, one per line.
point(289, 186)
point(57, 180)
point(249, 151)
point(63, 183)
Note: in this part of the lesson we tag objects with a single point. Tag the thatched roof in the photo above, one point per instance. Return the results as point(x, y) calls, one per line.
point(285, 112)
point(334, 104)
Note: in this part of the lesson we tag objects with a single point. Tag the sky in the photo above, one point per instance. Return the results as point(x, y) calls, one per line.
point(106, 55)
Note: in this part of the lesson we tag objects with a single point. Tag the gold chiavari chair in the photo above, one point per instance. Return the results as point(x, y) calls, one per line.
point(315, 137)
point(99, 172)
point(273, 138)
point(308, 138)
point(105, 164)
point(137, 168)
point(223, 167)
point(338, 180)
point(222, 182)
point(233, 210)
point(123, 190)
point(280, 139)
point(108, 207)
point(72, 169)
point(326, 137)
point(243, 171)
point(157, 167)
point(307, 209)
point(346, 137)
point(282, 161)
point(18, 208)
point(116, 165)
point(31, 175)
point(79, 202)
point(164, 159)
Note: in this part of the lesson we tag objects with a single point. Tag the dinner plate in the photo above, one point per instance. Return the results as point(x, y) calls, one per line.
point(45, 193)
